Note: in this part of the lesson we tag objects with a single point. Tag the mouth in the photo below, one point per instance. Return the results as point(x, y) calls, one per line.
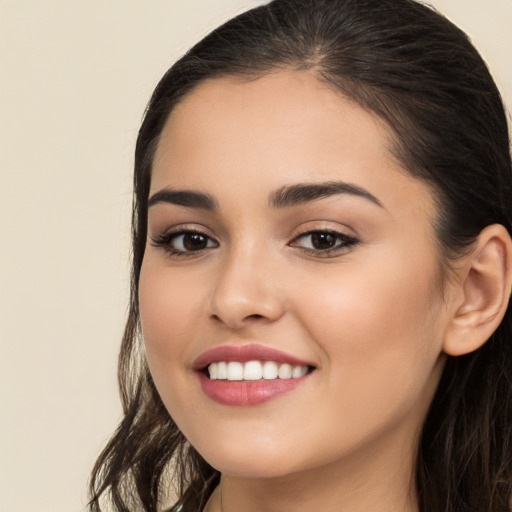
point(249, 374)
point(251, 371)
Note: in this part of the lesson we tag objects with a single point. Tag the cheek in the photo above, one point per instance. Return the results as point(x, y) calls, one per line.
point(374, 310)
point(168, 311)
point(379, 331)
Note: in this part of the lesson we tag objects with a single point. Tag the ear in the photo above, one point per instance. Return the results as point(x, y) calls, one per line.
point(484, 290)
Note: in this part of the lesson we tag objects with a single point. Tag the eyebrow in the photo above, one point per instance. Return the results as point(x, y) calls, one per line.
point(284, 197)
point(187, 198)
point(292, 195)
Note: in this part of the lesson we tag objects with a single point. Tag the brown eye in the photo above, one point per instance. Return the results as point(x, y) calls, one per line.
point(324, 242)
point(321, 240)
point(184, 242)
point(194, 241)
point(189, 241)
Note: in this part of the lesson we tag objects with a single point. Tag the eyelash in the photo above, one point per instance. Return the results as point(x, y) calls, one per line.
point(343, 242)
point(165, 241)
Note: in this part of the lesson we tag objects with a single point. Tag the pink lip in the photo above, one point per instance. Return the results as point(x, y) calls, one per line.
point(244, 353)
point(246, 393)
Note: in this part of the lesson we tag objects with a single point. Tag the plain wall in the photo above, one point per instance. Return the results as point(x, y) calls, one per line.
point(74, 80)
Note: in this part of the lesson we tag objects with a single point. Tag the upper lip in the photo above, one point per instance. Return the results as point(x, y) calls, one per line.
point(244, 353)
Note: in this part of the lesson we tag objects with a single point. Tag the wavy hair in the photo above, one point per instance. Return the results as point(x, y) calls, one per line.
point(416, 70)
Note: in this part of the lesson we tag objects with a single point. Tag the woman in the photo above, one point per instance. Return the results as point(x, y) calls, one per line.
point(322, 268)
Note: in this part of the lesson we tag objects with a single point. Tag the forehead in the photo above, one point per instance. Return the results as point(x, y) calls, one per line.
point(278, 110)
point(285, 127)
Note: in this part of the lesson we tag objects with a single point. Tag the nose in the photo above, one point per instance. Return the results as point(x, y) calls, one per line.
point(246, 291)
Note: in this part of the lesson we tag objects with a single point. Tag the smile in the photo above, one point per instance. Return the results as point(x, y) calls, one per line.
point(254, 370)
point(246, 375)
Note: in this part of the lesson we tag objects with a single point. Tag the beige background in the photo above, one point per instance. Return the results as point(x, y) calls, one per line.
point(74, 81)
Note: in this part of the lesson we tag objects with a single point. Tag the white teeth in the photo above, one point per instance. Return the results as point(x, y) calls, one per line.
point(254, 370)
point(235, 371)
point(222, 370)
point(269, 370)
point(299, 371)
point(285, 371)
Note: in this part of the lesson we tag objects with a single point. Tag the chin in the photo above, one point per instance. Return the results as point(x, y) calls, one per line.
point(249, 460)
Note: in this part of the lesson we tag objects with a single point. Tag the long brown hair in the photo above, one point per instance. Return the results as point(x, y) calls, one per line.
point(417, 71)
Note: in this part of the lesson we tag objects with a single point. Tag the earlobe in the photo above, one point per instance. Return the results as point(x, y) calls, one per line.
point(485, 290)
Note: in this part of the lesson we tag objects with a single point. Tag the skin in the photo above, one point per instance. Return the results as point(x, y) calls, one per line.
point(370, 317)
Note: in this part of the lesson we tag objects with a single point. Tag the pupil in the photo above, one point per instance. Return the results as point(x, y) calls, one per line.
point(194, 242)
point(323, 240)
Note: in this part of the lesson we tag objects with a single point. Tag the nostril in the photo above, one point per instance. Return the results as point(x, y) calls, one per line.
point(255, 317)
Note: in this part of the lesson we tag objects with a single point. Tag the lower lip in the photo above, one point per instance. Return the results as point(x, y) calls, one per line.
point(245, 393)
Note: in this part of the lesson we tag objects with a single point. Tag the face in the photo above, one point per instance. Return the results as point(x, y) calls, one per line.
point(283, 237)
